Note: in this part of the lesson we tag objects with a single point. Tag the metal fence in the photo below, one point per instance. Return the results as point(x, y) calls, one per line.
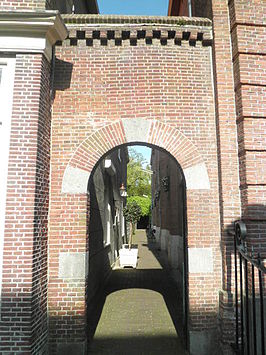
point(249, 297)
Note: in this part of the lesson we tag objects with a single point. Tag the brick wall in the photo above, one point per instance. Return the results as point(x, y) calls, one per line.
point(227, 153)
point(11, 5)
point(248, 33)
point(67, 233)
point(104, 76)
point(64, 6)
point(24, 289)
point(239, 69)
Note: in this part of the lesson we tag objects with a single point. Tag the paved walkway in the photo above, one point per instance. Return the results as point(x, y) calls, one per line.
point(138, 310)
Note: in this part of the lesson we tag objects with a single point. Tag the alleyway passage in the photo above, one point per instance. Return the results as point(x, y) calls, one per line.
point(140, 307)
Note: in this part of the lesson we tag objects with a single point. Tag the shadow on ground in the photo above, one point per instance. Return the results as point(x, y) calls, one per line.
point(138, 310)
point(137, 345)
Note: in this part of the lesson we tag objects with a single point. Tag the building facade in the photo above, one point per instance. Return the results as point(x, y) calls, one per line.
point(74, 87)
point(168, 221)
point(107, 229)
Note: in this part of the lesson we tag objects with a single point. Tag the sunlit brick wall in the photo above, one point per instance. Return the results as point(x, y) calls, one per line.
point(24, 288)
point(102, 77)
point(248, 51)
point(11, 5)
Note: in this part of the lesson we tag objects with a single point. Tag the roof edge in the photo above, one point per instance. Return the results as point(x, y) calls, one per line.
point(122, 19)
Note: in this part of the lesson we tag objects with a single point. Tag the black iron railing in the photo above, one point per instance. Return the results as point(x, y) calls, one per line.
point(249, 297)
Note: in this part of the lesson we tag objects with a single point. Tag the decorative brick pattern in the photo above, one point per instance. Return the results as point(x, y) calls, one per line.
point(81, 37)
point(176, 143)
point(100, 86)
point(111, 136)
point(113, 69)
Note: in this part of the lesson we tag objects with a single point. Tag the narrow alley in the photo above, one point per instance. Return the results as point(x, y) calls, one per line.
point(138, 313)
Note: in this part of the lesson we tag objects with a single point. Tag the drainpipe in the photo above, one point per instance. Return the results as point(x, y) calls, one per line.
point(189, 8)
point(52, 74)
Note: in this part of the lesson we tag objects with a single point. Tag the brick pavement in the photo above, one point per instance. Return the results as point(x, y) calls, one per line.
point(139, 308)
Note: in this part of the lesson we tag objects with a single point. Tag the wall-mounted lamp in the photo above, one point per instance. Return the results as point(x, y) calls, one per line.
point(123, 191)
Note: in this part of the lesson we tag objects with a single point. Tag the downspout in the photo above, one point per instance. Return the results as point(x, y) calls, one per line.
point(52, 76)
point(189, 8)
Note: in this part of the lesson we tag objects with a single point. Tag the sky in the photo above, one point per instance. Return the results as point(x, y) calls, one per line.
point(133, 7)
point(145, 151)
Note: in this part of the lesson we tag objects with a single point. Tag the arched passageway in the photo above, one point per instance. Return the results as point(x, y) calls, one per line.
point(72, 247)
point(160, 255)
point(140, 131)
point(169, 77)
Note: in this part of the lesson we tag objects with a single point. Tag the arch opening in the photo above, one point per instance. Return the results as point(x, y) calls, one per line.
point(135, 131)
point(162, 246)
point(198, 190)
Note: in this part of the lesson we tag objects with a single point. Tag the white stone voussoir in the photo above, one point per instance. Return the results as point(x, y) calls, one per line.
point(197, 177)
point(75, 180)
point(136, 130)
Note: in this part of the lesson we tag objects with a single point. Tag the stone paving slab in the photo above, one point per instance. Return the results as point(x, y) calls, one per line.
point(140, 308)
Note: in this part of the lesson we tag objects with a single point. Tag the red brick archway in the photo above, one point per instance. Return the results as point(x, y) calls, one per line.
point(157, 133)
point(130, 131)
point(68, 242)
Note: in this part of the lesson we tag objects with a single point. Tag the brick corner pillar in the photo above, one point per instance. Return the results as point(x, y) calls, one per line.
point(230, 210)
point(68, 272)
point(26, 40)
point(248, 35)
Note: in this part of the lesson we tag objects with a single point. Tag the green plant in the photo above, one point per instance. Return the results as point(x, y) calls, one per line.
point(138, 180)
point(132, 213)
point(143, 202)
